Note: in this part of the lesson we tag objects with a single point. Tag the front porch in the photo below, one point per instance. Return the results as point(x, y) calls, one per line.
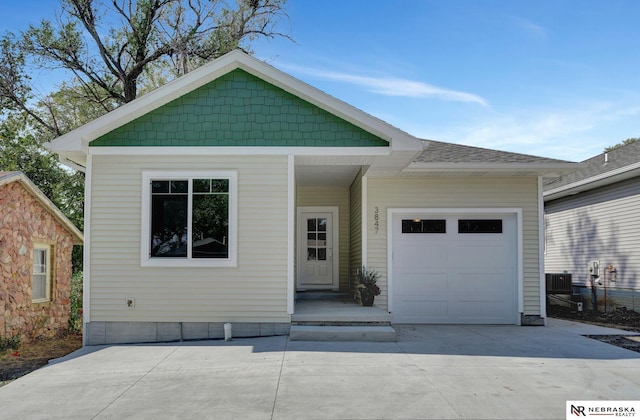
point(328, 308)
point(330, 316)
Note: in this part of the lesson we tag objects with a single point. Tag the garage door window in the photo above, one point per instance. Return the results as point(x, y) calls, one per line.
point(424, 226)
point(479, 226)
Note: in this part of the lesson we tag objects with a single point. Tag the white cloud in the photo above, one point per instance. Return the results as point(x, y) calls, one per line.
point(391, 86)
point(571, 134)
point(529, 27)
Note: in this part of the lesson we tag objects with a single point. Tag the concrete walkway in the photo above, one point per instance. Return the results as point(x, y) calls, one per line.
point(432, 372)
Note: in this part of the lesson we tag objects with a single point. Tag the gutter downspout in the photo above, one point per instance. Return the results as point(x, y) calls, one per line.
point(86, 252)
point(541, 249)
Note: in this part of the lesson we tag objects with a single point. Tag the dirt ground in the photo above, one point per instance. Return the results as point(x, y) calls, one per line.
point(33, 355)
point(621, 318)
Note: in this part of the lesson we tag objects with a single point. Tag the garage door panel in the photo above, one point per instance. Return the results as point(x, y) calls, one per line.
point(414, 255)
point(412, 282)
point(416, 309)
point(454, 277)
point(486, 312)
point(478, 283)
point(478, 255)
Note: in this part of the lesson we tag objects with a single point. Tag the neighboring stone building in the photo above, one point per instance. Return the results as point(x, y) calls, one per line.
point(36, 242)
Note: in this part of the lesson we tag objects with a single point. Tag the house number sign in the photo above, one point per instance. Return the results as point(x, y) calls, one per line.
point(376, 219)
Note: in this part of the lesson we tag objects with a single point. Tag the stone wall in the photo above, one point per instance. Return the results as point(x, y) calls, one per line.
point(23, 222)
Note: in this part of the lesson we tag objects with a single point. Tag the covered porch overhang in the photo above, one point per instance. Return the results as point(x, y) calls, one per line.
point(334, 181)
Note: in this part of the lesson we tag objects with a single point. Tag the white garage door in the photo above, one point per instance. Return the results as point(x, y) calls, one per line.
point(454, 269)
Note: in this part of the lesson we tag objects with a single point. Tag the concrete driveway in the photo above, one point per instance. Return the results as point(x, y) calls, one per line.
point(432, 372)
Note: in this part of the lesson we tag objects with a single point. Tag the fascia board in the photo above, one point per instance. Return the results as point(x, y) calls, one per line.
point(241, 151)
point(601, 180)
point(543, 168)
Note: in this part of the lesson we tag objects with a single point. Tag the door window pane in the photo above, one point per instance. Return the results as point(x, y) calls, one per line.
point(311, 254)
point(311, 225)
point(316, 239)
point(311, 239)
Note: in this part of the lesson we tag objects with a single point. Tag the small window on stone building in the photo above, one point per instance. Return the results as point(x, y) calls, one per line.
point(41, 273)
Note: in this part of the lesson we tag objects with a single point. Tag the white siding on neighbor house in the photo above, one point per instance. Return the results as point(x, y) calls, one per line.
point(254, 291)
point(332, 196)
point(596, 225)
point(457, 192)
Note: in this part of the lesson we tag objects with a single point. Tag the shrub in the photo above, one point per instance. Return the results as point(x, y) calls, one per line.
point(75, 318)
point(7, 343)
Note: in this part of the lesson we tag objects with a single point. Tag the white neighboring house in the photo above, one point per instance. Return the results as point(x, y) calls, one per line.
point(293, 190)
point(591, 216)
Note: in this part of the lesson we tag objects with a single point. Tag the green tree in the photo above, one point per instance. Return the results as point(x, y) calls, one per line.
point(21, 150)
point(114, 48)
point(622, 143)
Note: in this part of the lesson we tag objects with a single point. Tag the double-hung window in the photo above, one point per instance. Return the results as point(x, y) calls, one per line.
point(189, 219)
point(41, 275)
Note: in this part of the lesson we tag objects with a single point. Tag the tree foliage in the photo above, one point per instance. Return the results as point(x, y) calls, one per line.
point(112, 50)
point(621, 144)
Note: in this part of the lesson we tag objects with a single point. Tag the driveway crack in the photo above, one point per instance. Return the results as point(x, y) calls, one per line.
point(135, 383)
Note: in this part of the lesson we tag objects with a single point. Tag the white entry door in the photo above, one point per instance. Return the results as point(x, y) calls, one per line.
point(317, 256)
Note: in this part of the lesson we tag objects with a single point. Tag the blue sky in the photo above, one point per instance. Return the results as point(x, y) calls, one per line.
point(550, 78)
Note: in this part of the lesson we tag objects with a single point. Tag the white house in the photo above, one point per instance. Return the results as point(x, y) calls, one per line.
point(219, 196)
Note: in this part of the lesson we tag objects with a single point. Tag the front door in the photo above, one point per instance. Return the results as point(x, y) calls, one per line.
point(317, 252)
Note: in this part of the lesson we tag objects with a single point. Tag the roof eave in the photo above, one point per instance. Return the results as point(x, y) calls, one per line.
point(79, 139)
point(77, 235)
point(542, 169)
point(601, 180)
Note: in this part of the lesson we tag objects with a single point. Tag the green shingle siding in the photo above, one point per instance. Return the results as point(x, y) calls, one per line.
point(239, 109)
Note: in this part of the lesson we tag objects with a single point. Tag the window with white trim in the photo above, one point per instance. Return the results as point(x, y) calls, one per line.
point(189, 219)
point(41, 273)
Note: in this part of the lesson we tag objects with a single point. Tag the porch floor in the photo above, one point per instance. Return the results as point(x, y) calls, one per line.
point(339, 309)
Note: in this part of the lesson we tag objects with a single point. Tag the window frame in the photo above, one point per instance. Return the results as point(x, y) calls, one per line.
point(145, 239)
point(47, 248)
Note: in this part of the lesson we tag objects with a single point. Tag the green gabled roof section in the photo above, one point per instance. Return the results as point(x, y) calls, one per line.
point(239, 109)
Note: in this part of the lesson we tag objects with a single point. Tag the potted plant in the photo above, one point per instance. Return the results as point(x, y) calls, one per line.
point(367, 285)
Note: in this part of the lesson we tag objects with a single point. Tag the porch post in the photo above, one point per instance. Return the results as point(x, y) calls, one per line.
point(291, 210)
point(364, 226)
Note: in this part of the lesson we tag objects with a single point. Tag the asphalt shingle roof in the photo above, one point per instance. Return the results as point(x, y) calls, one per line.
point(441, 152)
point(597, 165)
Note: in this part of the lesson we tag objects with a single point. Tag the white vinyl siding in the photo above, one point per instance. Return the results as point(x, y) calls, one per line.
point(602, 225)
point(339, 197)
point(456, 192)
point(254, 291)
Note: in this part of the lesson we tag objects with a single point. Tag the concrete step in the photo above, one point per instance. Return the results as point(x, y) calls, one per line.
point(341, 333)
